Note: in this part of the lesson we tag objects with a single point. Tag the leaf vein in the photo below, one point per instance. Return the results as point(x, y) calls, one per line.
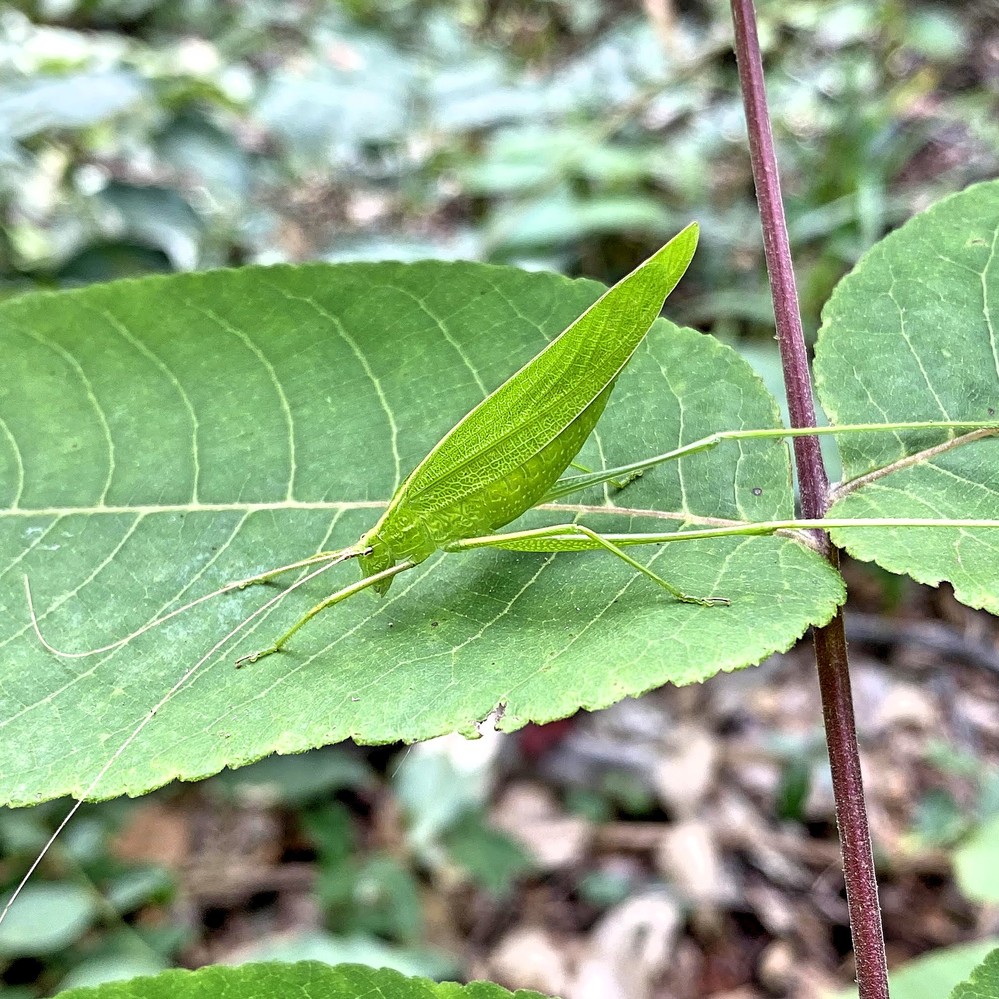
point(265, 363)
point(119, 327)
point(18, 464)
point(908, 342)
point(365, 367)
point(91, 398)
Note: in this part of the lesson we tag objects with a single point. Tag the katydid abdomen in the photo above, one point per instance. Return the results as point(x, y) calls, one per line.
point(413, 530)
point(502, 457)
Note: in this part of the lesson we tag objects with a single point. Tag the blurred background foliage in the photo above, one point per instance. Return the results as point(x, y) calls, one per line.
point(143, 136)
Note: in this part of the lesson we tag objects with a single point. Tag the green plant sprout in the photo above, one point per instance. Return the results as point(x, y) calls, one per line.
point(507, 456)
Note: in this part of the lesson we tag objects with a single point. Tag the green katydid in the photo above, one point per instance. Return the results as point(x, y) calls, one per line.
point(507, 455)
point(502, 458)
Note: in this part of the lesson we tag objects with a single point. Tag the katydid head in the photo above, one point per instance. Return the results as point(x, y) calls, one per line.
point(377, 557)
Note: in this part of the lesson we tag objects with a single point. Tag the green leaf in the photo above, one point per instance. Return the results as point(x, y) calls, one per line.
point(912, 333)
point(931, 976)
point(976, 863)
point(163, 437)
point(47, 918)
point(984, 980)
point(305, 980)
point(70, 100)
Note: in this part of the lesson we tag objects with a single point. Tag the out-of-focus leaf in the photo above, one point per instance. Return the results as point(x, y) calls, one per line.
point(108, 261)
point(935, 974)
point(208, 158)
point(156, 217)
point(461, 245)
point(936, 33)
point(490, 857)
point(47, 918)
point(111, 968)
point(526, 158)
point(362, 92)
point(377, 898)
point(136, 887)
point(976, 863)
point(295, 780)
point(363, 949)
point(73, 100)
point(563, 218)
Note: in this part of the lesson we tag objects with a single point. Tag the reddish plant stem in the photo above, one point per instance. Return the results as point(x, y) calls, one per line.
point(830, 641)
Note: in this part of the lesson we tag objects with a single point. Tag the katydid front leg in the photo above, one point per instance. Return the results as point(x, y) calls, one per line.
point(570, 484)
point(347, 591)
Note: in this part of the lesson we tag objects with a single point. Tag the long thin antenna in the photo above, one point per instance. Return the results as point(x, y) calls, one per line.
point(333, 558)
point(148, 718)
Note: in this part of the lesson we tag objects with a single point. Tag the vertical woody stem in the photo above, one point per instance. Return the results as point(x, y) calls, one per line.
point(830, 641)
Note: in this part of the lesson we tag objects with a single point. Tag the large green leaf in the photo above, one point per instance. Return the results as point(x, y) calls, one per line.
point(305, 980)
point(162, 437)
point(913, 334)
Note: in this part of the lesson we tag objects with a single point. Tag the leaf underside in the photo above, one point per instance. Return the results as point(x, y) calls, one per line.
point(913, 334)
point(165, 436)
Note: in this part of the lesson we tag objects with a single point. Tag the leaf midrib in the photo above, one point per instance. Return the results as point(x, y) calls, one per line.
point(150, 510)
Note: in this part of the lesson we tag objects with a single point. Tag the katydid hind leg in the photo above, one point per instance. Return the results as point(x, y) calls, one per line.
point(674, 591)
